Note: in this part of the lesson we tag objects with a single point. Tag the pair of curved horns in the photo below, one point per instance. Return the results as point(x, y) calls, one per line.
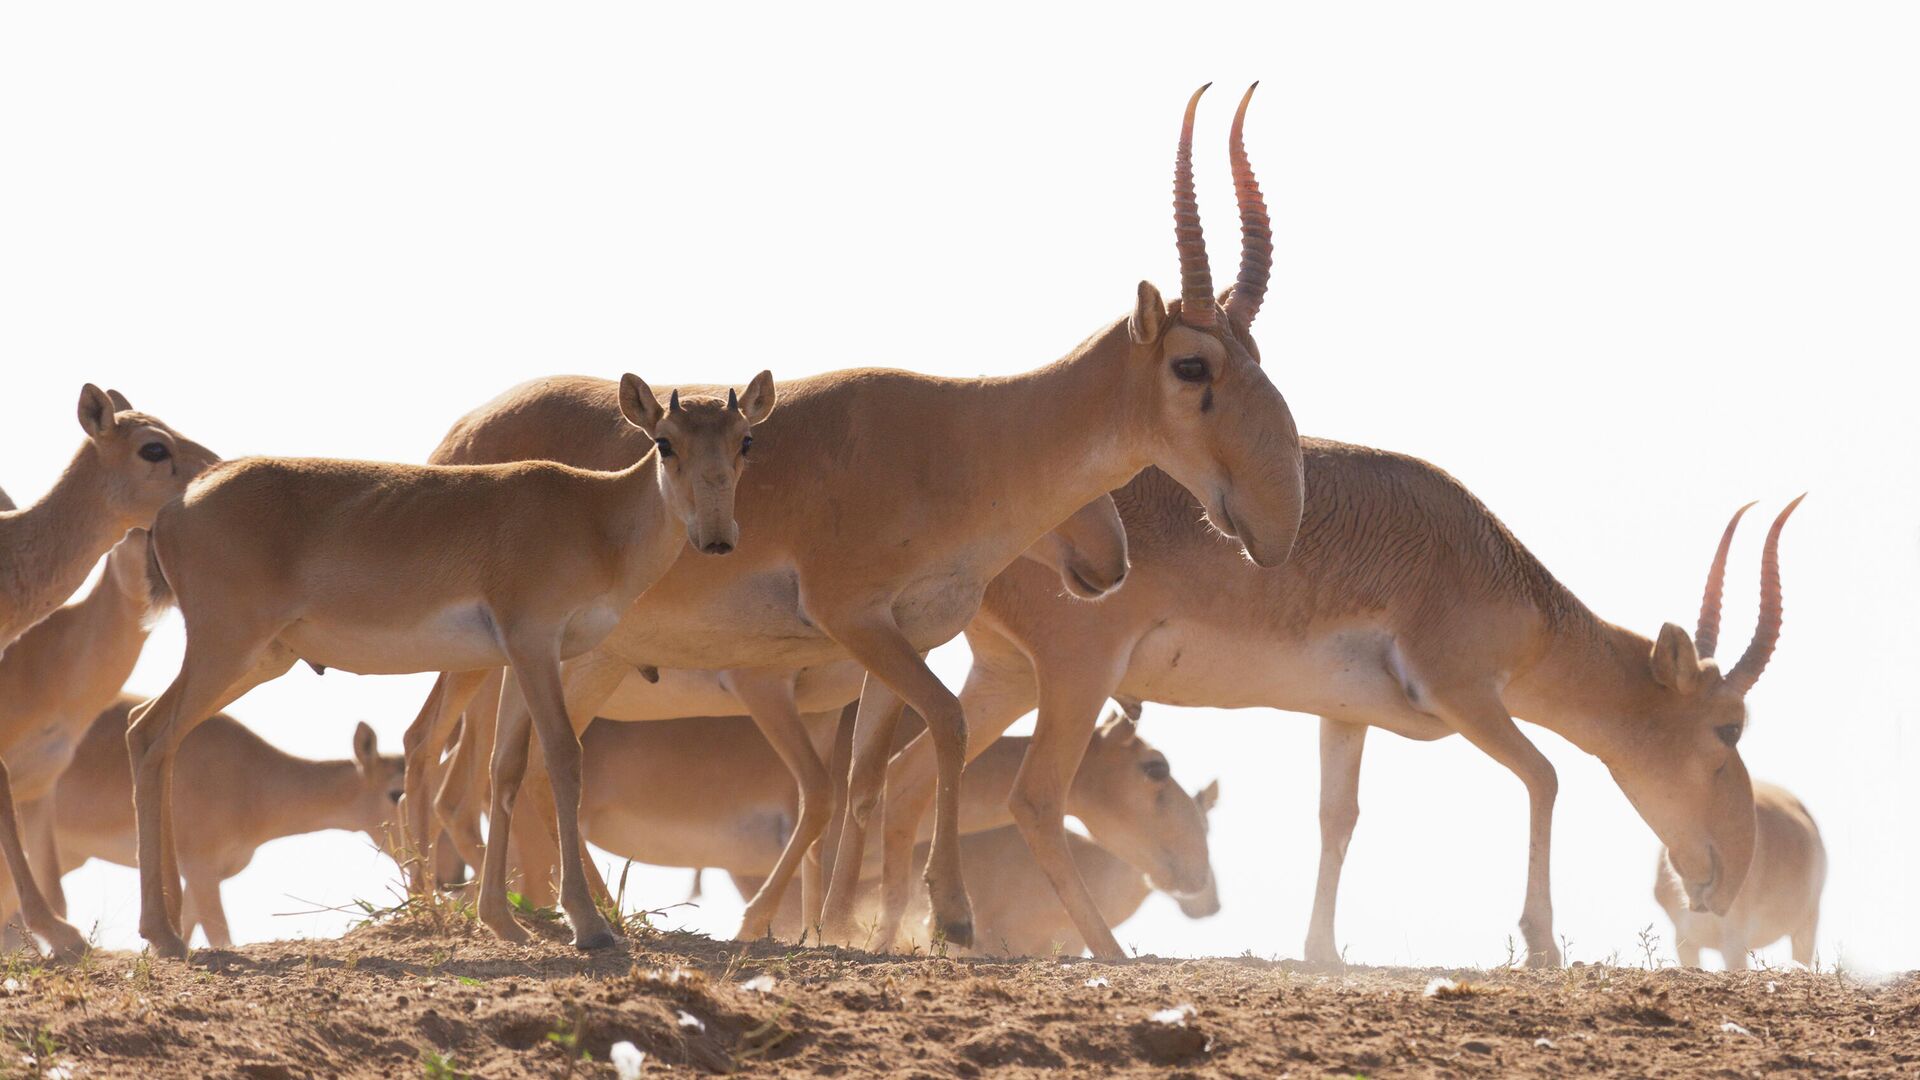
point(673, 405)
point(1766, 635)
point(1256, 230)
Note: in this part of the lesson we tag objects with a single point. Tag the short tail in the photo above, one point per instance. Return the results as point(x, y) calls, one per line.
point(159, 593)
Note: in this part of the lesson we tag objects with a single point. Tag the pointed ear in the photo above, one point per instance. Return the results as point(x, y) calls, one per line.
point(1676, 664)
point(96, 411)
point(1149, 315)
point(120, 402)
point(1119, 726)
point(1207, 797)
point(366, 747)
point(638, 404)
point(757, 403)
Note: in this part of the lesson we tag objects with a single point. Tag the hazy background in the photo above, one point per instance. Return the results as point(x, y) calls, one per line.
point(1619, 268)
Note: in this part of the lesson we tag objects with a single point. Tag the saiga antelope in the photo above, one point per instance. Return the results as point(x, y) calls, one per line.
point(889, 501)
point(385, 569)
point(1087, 552)
point(1780, 899)
point(53, 681)
point(130, 465)
point(237, 790)
point(1407, 606)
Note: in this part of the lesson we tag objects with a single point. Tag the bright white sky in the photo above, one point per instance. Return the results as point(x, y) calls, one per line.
point(1620, 268)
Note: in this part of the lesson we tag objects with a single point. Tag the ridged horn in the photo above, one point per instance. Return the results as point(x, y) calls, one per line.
point(1196, 280)
point(1707, 635)
point(1767, 634)
point(1256, 229)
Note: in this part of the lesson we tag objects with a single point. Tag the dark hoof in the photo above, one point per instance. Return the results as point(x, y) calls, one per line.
point(959, 934)
point(595, 940)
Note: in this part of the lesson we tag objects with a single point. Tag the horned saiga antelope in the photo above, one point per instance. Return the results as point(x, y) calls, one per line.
point(889, 500)
point(130, 466)
point(1407, 606)
point(386, 569)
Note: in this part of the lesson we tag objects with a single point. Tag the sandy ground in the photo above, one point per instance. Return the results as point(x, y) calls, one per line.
point(411, 999)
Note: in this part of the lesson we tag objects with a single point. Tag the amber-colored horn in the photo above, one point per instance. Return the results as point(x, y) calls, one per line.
point(1256, 229)
point(1767, 634)
point(1707, 635)
point(1196, 280)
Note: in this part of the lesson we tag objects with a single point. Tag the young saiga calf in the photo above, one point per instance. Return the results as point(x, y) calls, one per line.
point(1780, 899)
point(130, 466)
point(385, 569)
point(237, 792)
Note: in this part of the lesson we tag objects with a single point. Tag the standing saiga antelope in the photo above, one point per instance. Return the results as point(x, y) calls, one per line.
point(53, 681)
point(130, 466)
point(1781, 898)
point(238, 791)
point(1087, 552)
point(1407, 606)
point(386, 569)
point(891, 499)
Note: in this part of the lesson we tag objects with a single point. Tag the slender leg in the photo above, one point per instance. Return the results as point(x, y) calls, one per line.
point(44, 852)
point(1000, 689)
point(1340, 747)
point(67, 942)
point(872, 738)
point(1803, 940)
point(887, 655)
point(215, 671)
point(203, 900)
point(425, 739)
point(1733, 946)
point(536, 664)
point(768, 696)
point(1070, 703)
point(813, 880)
point(1478, 713)
point(509, 766)
point(455, 803)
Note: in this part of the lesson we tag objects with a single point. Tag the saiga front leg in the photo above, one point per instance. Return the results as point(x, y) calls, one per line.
point(1340, 747)
point(67, 942)
point(873, 728)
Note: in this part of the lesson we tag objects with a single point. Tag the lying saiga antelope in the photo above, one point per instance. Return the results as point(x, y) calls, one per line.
point(238, 791)
point(1780, 899)
point(53, 681)
point(1087, 552)
point(130, 465)
point(1407, 606)
point(890, 500)
point(385, 569)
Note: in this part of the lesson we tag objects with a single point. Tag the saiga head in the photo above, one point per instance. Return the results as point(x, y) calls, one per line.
point(1214, 420)
point(703, 445)
point(376, 809)
point(144, 463)
point(1685, 776)
point(1088, 550)
point(1126, 795)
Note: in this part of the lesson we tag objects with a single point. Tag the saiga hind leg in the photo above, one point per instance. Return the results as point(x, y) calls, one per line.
point(425, 739)
point(1340, 746)
point(876, 642)
point(1000, 689)
point(768, 696)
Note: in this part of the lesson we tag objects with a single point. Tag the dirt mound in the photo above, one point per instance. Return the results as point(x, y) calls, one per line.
point(385, 1001)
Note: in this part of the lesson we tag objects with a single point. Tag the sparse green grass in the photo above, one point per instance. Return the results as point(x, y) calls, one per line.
point(436, 1066)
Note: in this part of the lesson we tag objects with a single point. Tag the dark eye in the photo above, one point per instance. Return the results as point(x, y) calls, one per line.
point(666, 447)
point(746, 444)
point(1190, 369)
point(1155, 769)
point(1729, 734)
point(154, 451)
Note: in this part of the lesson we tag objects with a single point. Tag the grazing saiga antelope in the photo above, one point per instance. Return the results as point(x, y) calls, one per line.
point(130, 466)
point(892, 499)
point(1087, 552)
point(1407, 606)
point(384, 569)
point(237, 790)
point(53, 681)
point(1781, 898)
